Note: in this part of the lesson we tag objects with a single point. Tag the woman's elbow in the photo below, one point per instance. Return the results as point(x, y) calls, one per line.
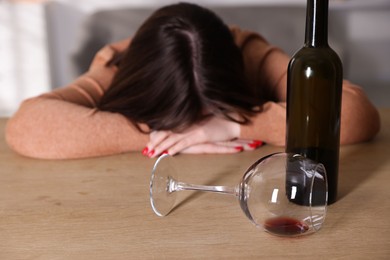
point(25, 133)
point(360, 126)
point(19, 139)
point(14, 136)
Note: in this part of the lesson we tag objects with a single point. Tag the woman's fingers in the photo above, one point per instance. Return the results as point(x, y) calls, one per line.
point(212, 148)
point(210, 131)
point(156, 138)
point(168, 144)
point(179, 143)
point(175, 143)
point(247, 145)
point(227, 147)
point(193, 141)
point(164, 141)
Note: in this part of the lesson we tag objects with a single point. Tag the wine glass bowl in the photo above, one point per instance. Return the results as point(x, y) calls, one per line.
point(283, 194)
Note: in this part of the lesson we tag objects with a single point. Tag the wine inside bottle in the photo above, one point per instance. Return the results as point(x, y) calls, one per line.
point(314, 88)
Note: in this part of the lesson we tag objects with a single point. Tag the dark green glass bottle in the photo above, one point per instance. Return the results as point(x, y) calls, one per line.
point(314, 88)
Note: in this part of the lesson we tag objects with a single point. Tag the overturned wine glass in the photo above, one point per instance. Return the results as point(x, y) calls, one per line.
point(284, 194)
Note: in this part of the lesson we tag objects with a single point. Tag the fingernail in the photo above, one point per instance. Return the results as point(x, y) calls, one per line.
point(258, 142)
point(145, 151)
point(255, 144)
point(150, 154)
point(239, 148)
point(165, 152)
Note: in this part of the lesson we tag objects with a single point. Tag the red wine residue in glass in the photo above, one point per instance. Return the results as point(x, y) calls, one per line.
point(285, 226)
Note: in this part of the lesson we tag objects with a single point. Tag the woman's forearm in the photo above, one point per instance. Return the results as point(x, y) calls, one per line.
point(360, 120)
point(54, 129)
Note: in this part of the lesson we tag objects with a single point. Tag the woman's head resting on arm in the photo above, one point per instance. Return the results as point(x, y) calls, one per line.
point(181, 67)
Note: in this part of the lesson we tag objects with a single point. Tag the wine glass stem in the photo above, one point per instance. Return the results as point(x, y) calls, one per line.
point(178, 186)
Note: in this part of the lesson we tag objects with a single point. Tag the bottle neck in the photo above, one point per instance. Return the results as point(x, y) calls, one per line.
point(316, 34)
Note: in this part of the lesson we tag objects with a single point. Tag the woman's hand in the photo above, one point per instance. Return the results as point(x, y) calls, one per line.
point(234, 146)
point(212, 136)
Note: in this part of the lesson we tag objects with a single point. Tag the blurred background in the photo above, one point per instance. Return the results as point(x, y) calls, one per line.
point(46, 44)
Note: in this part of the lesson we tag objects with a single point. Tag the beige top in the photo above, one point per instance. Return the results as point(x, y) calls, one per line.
point(65, 123)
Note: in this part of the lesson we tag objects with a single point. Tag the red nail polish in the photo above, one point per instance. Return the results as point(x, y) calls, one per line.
point(165, 152)
point(252, 145)
point(150, 154)
point(145, 151)
point(258, 142)
point(239, 148)
point(255, 144)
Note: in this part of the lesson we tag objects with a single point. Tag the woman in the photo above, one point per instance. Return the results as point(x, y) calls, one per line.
point(185, 83)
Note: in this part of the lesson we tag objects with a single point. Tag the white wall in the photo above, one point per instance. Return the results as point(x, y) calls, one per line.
point(23, 56)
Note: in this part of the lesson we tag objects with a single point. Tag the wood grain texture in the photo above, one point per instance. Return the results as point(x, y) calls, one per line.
point(99, 208)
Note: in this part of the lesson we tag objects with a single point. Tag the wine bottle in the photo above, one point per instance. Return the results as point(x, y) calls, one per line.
point(314, 88)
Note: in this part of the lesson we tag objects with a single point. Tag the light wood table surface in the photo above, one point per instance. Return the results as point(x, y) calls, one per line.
point(99, 209)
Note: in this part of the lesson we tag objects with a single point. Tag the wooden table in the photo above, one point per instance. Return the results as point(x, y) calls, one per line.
point(99, 209)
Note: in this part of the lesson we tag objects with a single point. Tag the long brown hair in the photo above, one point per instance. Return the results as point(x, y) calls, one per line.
point(181, 67)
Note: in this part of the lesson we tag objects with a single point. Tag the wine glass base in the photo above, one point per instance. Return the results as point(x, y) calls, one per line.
point(162, 181)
